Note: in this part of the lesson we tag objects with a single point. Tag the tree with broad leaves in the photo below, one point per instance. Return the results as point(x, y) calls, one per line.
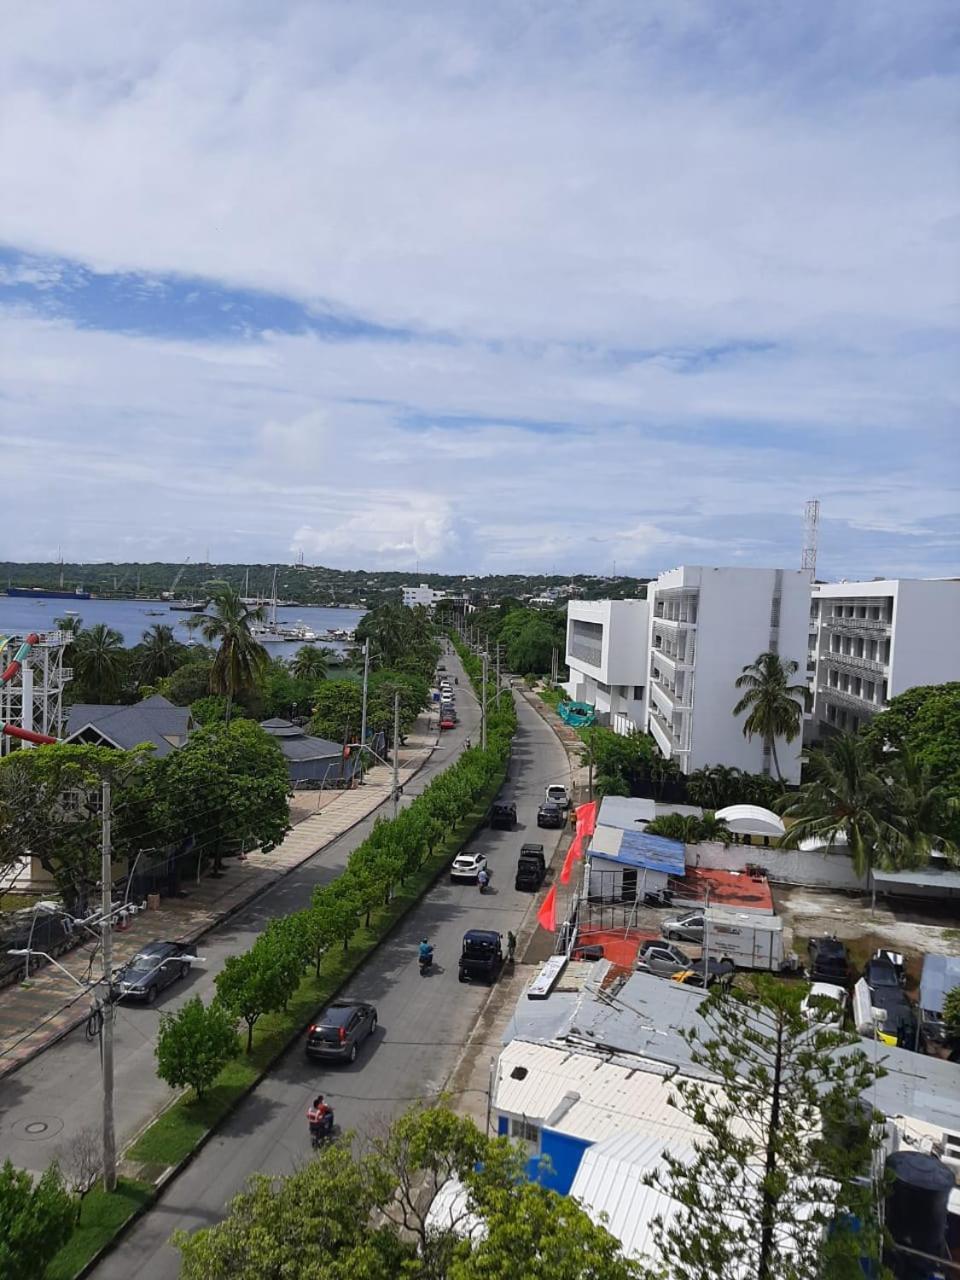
point(194, 1044)
point(781, 1164)
point(36, 1220)
point(338, 909)
point(773, 708)
point(250, 985)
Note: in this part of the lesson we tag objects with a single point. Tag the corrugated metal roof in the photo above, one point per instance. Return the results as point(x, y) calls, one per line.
point(638, 849)
point(932, 879)
point(611, 1096)
point(940, 974)
point(625, 812)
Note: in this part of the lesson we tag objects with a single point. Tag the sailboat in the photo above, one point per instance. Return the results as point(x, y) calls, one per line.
point(269, 629)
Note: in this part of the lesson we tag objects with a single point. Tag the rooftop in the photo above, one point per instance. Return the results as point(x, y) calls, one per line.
point(155, 720)
point(637, 849)
point(297, 744)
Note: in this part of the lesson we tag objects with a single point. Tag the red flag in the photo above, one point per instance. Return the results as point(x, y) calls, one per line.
point(547, 915)
point(587, 818)
point(573, 853)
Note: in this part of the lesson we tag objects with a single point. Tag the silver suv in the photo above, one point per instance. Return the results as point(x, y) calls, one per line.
point(688, 928)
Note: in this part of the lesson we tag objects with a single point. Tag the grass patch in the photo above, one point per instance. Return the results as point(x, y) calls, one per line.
point(102, 1214)
point(174, 1134)
point(552, 696)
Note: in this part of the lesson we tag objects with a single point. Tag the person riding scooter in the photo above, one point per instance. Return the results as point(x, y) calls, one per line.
point(320, 1119)
point(426, 955)
point(483, 879)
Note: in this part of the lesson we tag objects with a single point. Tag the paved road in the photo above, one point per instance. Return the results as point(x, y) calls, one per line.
point(61, 1089)
point(424, 1022)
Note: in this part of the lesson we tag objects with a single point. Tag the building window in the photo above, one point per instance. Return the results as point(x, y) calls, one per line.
point(875, 612)
point(523, 1130)
point(869, 689)
point(638, 692)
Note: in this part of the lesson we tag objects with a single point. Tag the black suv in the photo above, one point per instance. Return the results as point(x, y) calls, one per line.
point(551, 815)
point(885, 979)
point(531, 867)
point(340, 1030)
point(151, 971)
point(482, 955)
point(503, 816)
point(828, 961)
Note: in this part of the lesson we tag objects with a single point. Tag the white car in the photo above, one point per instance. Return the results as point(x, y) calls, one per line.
point(557, 794)
point(467, 866)
point(825, 1004)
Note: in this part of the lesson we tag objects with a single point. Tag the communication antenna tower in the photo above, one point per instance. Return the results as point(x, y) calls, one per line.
point(811, 520)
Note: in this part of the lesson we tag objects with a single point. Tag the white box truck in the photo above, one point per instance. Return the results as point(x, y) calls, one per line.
point(750, 940)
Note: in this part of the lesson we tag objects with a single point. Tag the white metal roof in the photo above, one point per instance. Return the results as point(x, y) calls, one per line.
point(629, 813)
point(608, 1097)
point(751, 820)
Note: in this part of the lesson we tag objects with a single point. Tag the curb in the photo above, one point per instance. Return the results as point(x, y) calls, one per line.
point(174, 1171)
point(55, 1038)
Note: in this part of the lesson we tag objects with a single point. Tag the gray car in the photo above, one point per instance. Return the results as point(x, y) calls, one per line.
point(667, 961)
point(688, 928)
point(340, 1030)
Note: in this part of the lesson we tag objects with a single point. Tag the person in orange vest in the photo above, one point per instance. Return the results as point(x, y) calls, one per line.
point(319, 1118)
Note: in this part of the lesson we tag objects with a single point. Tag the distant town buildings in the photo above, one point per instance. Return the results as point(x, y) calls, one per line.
point(667, 665)
point(422, 596)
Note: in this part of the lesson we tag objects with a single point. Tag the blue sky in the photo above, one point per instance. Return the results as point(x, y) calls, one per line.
point(485, 287)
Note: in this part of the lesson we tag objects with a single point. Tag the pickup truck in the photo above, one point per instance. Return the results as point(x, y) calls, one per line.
point(531, 867)
point(482, 956)
point(668, 961)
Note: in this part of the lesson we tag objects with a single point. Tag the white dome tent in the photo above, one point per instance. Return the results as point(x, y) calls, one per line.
point(751, 820)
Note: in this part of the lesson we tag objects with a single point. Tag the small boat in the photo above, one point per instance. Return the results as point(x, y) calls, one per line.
point(188, 606)
point(153, 613)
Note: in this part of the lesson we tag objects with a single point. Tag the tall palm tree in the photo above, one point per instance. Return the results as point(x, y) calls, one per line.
point(845, 806)
point(240, 659)
point(98, 657)
point(773, 707)
point(311, 664)
point(161, 653)
point(71, 624)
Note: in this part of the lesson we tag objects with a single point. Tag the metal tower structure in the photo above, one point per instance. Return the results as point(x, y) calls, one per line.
point(811, 521)
point(33, 699)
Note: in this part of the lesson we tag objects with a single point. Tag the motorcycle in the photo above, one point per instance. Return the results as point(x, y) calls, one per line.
point(426, 963)
point(322, 1133)
point(659, 898)
point(483, 882)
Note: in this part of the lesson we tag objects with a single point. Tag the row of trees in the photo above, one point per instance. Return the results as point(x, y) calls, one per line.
point(528, 636)
point(194, 1043)
point(224, 790)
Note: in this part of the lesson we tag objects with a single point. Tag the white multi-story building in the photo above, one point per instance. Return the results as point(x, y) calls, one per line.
point(870, 641)
point(607, 646)
point(706, 625)
point(422, 595)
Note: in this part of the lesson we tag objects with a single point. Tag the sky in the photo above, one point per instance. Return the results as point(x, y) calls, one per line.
point(578, 286)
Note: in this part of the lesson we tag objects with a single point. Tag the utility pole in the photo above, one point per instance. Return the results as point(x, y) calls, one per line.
point(483, 705)
point(396, 751)
point(363, 709)
point(106, 933)
point(498, 675)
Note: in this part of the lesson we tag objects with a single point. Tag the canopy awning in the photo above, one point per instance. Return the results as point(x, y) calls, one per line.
point(751, 820)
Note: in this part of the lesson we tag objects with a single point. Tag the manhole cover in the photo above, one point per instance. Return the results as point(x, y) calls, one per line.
point(38, 1128)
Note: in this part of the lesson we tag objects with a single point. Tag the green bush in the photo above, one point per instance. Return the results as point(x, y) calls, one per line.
point(194, 1044)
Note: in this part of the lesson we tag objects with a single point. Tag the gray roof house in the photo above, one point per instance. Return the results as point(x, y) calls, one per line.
point(309, 759)
point(155, 720)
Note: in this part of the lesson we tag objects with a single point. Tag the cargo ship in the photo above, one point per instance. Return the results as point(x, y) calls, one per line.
point(47, 593)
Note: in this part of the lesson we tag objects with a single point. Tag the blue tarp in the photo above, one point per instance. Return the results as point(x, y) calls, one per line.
point(655, 853)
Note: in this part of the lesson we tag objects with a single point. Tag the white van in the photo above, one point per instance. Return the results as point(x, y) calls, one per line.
point(749, 939)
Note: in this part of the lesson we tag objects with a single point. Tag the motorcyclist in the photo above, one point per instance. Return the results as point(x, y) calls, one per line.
point(426, 951)
point(319, 1117)
point(483, 878)
point(511, 945)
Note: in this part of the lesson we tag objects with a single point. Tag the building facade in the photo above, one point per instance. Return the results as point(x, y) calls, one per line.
point(870, 641)
point(607, 656)
point(706, 625)
point(423, 595)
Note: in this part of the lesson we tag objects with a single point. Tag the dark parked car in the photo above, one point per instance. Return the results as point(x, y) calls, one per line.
point(668, 961)
point(550, 815)
point(503, 816)
point(482, 955)
point(885, 977)
point(531, 867)
point(828, 961)
point(151, 971)
point(341, 1029)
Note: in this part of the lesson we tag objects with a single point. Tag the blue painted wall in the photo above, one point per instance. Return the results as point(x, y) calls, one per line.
point(564, 1154)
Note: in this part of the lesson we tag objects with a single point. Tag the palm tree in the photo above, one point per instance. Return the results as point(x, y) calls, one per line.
point(921, 811)
point(161, 653)
point(97, 656)
point(71, 624)
point(773, 708)
point(311, 664)
point(845, 806)
point(715, 786)
point(240, 659)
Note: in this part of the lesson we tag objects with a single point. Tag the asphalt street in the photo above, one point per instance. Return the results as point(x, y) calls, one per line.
point(423, 1023)
point(48, 1100)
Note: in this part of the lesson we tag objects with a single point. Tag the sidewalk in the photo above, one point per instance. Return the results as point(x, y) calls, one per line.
point(33, 1018)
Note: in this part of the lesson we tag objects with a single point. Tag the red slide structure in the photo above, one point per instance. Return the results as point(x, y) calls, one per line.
point(25, 735)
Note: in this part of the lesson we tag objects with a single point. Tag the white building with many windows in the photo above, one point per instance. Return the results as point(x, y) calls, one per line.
point(607, 645)
point(870, 641)
point(422, 595)
point(706, 625)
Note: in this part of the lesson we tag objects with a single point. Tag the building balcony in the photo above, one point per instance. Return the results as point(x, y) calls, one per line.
point(855, 626)
point(590, 653)
point(660, 735)
point(667, 699)
point(672, 624)
point(848, 699)
point(873, 665)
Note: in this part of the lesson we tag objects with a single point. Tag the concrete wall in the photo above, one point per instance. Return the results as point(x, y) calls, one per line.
point(784, 866)
point(925, 648)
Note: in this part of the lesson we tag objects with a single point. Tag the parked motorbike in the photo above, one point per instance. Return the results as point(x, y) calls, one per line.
point(658, 898)
point(483, 882)
point(426, 963)
point(322, 1133)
